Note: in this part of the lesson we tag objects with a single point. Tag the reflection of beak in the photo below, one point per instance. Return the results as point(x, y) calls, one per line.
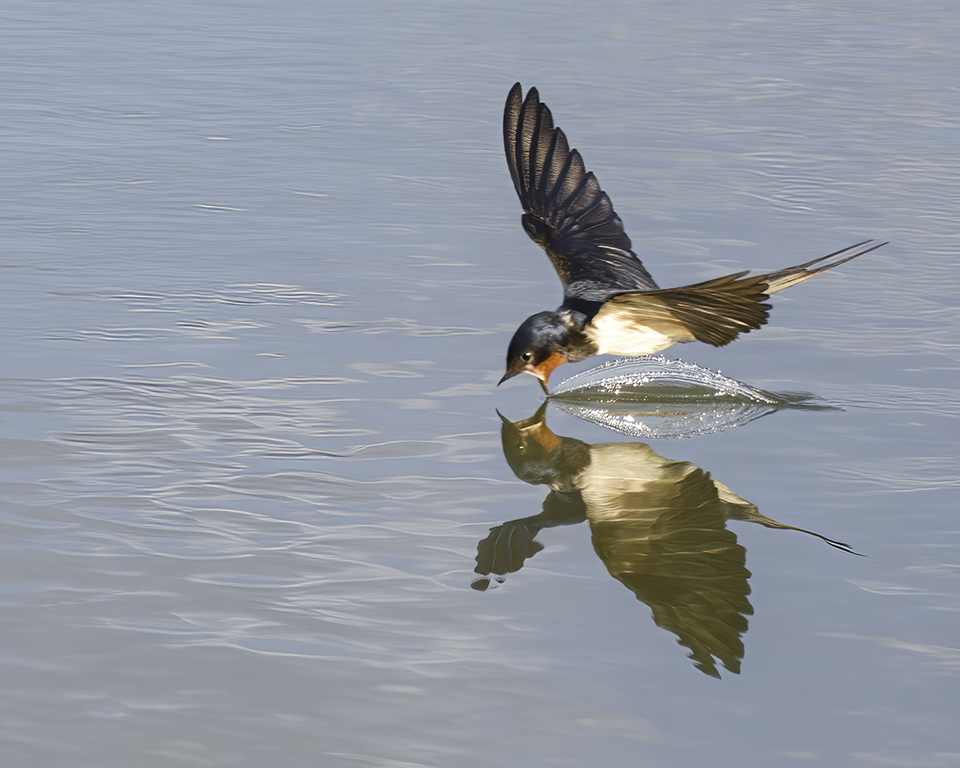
point(537, 420)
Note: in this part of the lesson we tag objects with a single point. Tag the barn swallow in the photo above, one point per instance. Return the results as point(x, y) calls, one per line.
point(611, 304)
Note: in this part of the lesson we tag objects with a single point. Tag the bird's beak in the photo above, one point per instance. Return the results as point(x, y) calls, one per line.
point(542, 378)
point(508, 375)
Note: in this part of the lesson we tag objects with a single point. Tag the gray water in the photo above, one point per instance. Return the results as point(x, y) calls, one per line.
point(260, 266)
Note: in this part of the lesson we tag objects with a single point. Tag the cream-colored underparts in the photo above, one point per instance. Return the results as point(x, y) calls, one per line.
point(615, 333)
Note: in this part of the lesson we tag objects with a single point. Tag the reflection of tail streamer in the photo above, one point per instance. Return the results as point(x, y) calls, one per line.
point(767, 522)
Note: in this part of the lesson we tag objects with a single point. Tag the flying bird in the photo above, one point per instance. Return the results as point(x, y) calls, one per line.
point(611, 304)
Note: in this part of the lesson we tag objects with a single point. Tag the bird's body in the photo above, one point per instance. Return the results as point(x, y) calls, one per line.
point(611, 304)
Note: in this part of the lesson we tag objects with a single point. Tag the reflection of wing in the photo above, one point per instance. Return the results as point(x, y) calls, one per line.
point(505, 550)
point(659, 528)
point(566, 212)
point(508, 546)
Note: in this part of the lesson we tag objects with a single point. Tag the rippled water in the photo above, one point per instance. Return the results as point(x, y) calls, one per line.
point(260, 267)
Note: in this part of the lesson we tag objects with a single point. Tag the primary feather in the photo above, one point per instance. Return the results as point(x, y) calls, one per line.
point(565, 211)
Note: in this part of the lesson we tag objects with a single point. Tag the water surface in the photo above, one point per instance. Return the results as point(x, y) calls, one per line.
point(261, 264)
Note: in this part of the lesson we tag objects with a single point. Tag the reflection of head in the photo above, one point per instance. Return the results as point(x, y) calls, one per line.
point(537, 456)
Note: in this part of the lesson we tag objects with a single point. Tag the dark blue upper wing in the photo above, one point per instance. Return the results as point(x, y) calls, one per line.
point(566, 212)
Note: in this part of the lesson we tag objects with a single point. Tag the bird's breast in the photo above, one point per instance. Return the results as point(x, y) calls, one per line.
point(617, 333)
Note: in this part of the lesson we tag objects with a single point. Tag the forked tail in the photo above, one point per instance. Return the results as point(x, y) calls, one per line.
point(784, 278)
point(715, 311)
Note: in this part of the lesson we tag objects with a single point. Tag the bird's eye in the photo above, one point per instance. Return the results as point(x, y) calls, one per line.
point(526, 356)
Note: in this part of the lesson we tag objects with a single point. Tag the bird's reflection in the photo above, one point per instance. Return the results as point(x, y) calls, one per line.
point(658, 525)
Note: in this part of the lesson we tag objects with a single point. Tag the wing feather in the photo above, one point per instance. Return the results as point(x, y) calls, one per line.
point(714, 312)
point(565, 210)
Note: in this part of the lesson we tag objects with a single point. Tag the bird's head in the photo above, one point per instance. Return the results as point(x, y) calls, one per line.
point(537, 347)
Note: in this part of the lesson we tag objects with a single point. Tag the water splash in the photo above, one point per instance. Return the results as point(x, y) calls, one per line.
point(652, 396)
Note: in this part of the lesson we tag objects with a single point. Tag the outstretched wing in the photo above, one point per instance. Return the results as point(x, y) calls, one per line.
point(565, 211)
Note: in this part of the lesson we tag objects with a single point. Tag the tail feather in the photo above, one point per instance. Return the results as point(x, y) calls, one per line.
point(717, 311)
point(784, 278)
